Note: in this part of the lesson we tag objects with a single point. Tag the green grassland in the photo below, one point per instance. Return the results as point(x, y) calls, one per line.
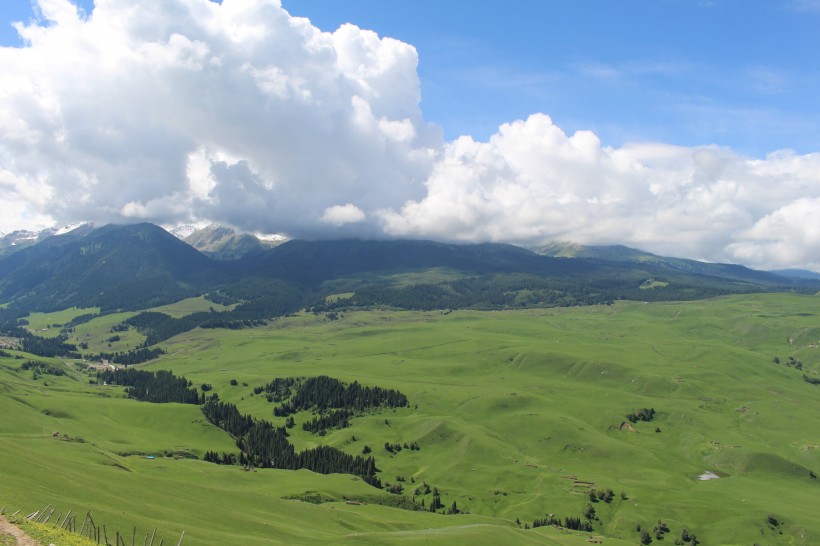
point(191, 305)
point(50, 324)
point(100, 337)
point(518, 414)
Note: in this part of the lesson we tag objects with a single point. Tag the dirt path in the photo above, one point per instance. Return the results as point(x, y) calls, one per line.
point(23, 539)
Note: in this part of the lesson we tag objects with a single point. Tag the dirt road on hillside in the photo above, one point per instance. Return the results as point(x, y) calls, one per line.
point(7, 528)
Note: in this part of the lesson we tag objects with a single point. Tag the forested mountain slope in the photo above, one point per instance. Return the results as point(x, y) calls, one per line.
point(140, 266)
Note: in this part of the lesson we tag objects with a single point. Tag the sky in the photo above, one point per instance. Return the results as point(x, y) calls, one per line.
point(688, 128)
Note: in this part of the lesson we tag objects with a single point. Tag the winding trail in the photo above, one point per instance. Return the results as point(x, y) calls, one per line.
point(8, 528)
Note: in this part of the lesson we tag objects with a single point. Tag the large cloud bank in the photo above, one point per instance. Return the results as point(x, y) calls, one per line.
point(175, 111)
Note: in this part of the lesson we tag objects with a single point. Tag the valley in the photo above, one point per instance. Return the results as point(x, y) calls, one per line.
point(518, 415)
point(314, 273)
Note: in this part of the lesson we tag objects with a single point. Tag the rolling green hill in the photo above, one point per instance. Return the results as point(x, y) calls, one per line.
point(593, 392)
point(518, 415)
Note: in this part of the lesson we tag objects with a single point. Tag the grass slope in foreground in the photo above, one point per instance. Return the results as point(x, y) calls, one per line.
point(518, 415)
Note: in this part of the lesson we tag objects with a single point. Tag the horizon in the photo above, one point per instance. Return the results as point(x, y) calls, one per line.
point(526, 125)
point(182, 234)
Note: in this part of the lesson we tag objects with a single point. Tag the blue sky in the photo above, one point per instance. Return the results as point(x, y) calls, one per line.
point(739, 73)
point(688, 128)
point(736, 73)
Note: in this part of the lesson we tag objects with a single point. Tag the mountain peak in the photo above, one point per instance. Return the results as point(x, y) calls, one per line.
point(182, 231)
point(113, 266)
point(68, 228)
point(22, 238)
point(223, 242)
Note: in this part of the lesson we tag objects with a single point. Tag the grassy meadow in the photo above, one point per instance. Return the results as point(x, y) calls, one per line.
point(49, 324)
point(518, 414)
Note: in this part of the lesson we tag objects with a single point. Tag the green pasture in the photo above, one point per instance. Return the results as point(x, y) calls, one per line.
point(190, 306)
point(430, 276)
point(98, 334)
point(518, 414)
point(50, 324)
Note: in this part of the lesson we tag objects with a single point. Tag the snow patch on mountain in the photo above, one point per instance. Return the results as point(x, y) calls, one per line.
point(183, 231)
point(22, 238)
point(67, 229)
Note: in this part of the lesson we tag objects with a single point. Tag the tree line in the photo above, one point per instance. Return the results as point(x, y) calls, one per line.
point(129, 358)
point(42, 368)
point(263, 445)
point(279, 389)
point(514, 291)
point(48, 347)
point(322, 393)
point(160, 386)
point(569, 522)
point(811, 380)
point(158, 327)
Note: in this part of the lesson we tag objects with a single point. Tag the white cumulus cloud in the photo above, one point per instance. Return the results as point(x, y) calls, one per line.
point(187, 109)
point(339, 215)
point(184, 111)
point(532, 183)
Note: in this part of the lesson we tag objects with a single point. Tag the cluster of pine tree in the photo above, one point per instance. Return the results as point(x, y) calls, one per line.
point(644, 414)
point(80, 319)
point(158, 327)
point(395, 448)
point(48, 347)
point(660, 529)
point(216, 458)
point(323, 392)
point(569, 522)
point(331, 419)
point(605, 495)
point(220, 298)
point(811, 380)
point(42, 368)
point(266, 446)
point(688, 537)
point(159, 387)
point(227, 417)
point(129, 358)
point(791, 361)
point(232, 324)
point(279, 389)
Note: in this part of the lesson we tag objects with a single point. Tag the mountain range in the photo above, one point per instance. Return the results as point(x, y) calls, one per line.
point(22, 238)
point(142, 265)
point(223, 243)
